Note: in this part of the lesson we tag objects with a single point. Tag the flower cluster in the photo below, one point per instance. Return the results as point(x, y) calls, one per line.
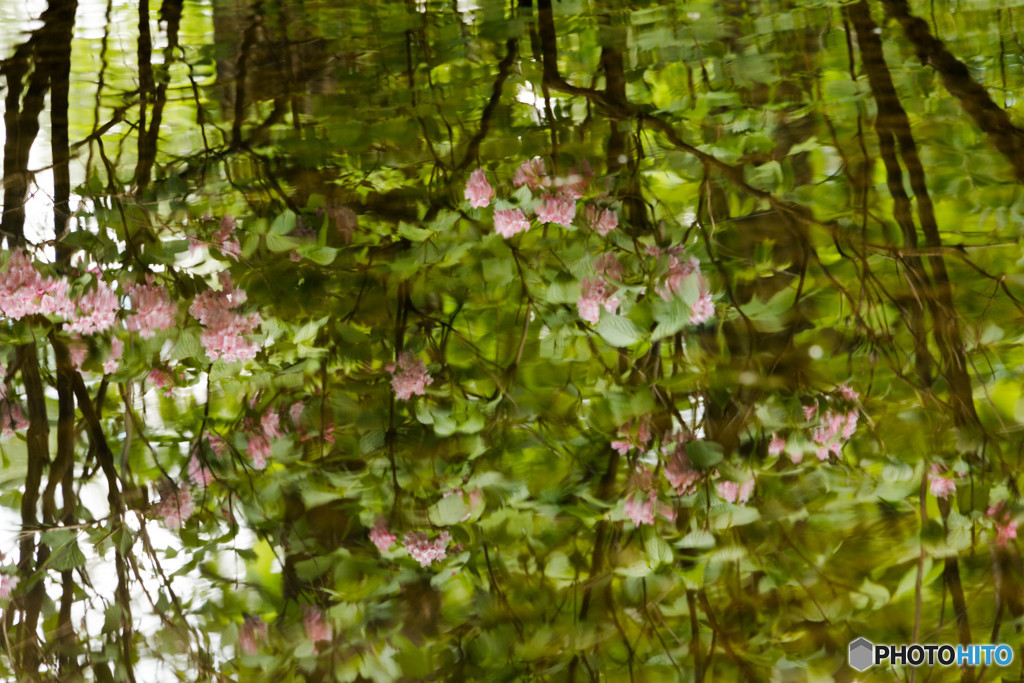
point(223, 337)
point(317, 628)
point(599, 292)
point(13, 418)
point(703, 308)
point(199, 474)
point(678, 272)
point(601, 221)
point(641, 509)
point(78, 351)
point(175, 507)
point(252, 633)
point(1006, 528)
point(24, 291)
point(163, 380)
point(555, 204)
point(558, 209)
point(223, 239)
point(834, 430)
point(627, 440)
point(425, 551)
point(154, 310)
point(939, 485)
point(409, 376)
point(733, 492)
point(8, 582)
point(260, 438)
point(478, 191)
point(97, 311)
point(116, 351)
point(678, 469)
point(509, 222)
point(641, 505)
point(381, 537)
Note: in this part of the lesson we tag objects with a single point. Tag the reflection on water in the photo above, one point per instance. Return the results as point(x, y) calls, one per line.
point(847, 177)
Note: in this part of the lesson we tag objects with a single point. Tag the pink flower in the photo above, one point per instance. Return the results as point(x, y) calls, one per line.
point(223, 336)
point(1004, 532)
point(219, 445)
point(269, 423)
point(641, 512)
point(478, 191)
point(676, 276)
point(55, 301)
point(317, 628)
point(809, 412)
point(116, 349)
point(509, 222)
point(557, 209)
point(259, 450)
point(97, 311)
point(531, 173)
point(777, 445)
point(24, 291)
point(938, 485)
point(79, 352)
point(13, 418)
point(198, 474)
point(850, 426)
point(847, 393)
point(602, 221)
point(223, 238)
point(8, 582)
point(731, 492)
point(295, 413)
point(621, 446)
point(154, 310)
point(597, 294)
point(381, 537)
point(702, 309)
point(609, 266)
point(797, 457)
point(411, 377)
point(162, 380)
point(252, 633)
point(425, 551)
point(643, 430)
point(175, 507)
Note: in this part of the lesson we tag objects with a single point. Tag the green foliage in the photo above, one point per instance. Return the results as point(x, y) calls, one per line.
point(625, 464)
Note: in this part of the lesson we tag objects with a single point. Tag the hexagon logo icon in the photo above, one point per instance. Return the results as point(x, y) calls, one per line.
point(862, 654)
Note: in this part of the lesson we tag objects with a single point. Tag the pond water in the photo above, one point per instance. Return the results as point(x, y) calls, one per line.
point(670, 340)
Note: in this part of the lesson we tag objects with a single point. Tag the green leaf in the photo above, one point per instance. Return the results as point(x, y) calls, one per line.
point(323, 256)
point(698, 538)
point(617, 330)
point(413, 233)
point(658, 551)
point(449, 510)
point(729, 516)
point(279, 243)
point(283, 224)
point(67, 557)
point(564, 289)
point(188, 346)
point(704, 454)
